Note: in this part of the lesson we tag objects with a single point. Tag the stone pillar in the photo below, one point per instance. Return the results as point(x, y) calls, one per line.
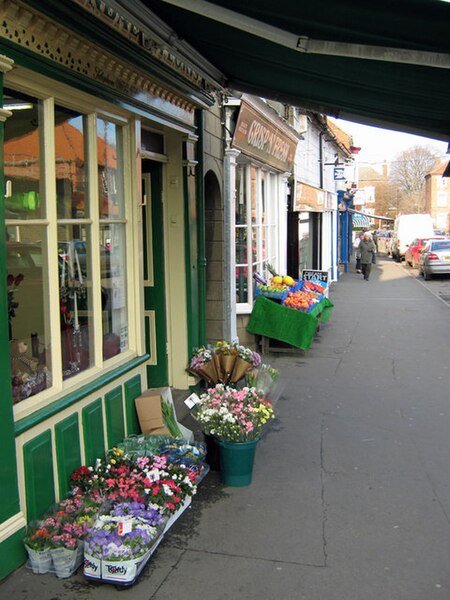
point(229, 203)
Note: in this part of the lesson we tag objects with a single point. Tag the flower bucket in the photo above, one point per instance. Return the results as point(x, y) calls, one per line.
point(236, 462)
point(40, 561)
point(66, 561)
point(212, 453)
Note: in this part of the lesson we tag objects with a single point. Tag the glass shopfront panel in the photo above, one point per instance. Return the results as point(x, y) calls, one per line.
point(23, 157)
point(110, 173)
point(257, 225)
point(28, 311)
point(66, 243)
point(114, 292)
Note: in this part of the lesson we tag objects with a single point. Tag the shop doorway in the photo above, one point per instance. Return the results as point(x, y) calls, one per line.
point(154, 281)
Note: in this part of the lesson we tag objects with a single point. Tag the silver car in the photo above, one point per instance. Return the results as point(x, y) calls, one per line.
point(435, 259)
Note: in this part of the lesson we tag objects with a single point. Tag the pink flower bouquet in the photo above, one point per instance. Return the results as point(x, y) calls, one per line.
point(233, 415)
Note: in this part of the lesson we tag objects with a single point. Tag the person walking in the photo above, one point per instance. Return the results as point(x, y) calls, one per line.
point(368, 251)
point(357, 249)
point(375, 240)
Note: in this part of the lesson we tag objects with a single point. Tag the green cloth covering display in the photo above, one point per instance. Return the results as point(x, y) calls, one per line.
point(273, 320)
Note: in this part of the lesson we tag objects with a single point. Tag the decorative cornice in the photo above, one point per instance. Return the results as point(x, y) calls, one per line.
point(38, 33)
point(4, 114)
point(6, 64)
point(145, 39)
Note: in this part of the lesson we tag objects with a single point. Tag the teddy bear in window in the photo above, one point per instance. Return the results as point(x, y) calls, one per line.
point(28, 376)
point(21, 364)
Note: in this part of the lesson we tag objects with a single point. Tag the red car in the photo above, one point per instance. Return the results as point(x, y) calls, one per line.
point(415, 248)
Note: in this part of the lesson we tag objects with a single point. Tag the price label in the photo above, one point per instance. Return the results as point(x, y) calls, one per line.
point(124, 527)
point(192, 400)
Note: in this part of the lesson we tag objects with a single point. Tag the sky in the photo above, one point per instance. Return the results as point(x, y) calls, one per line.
point(378, 145)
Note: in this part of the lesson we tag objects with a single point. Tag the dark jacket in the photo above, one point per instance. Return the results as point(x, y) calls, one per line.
point(367, 250)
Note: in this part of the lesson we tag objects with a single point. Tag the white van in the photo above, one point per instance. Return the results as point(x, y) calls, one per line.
point(406, 228)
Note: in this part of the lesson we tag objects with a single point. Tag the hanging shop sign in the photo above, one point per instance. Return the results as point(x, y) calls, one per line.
point(260, 137)
point(311, 199)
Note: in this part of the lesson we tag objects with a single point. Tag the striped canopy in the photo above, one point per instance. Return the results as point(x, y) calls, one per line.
point(360, 220)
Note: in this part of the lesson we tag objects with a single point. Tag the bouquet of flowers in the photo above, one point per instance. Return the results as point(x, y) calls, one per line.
point(246, 359)
point(224, 357)
point(233, 415)
point(203, 365)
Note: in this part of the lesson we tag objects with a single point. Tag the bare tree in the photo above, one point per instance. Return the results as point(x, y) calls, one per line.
point(407, 174)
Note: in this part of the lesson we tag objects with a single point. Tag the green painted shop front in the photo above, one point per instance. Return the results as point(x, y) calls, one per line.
point(74, 420)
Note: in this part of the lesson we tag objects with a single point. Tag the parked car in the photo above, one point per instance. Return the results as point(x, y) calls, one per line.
point(406, 229)
point(435, 259)
point(415, 248)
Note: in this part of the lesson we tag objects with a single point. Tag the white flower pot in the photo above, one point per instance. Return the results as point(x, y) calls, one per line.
point(65, 561)
point(40, 560)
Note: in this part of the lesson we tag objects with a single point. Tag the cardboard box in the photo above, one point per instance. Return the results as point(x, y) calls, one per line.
point(148, 408)
point(159, 431)
point(150, 416)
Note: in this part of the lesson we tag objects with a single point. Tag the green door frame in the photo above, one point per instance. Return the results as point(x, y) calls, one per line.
point(154, 269)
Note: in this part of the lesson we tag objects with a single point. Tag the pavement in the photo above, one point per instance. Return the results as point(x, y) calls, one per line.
point(350, 498)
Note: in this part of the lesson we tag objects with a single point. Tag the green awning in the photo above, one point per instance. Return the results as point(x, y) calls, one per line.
point(380, 63)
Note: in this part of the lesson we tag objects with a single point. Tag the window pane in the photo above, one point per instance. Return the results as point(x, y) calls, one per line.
point(114, 291)
point(254, 244)
point(254, 193)
point(22, 157)
point(241, 196)
point(264, 242)
point(75, 290)
point(241, 245)
point(71, 176)
point(241, 284)
point(110, 175)
point(263, 197)
point(28, 317)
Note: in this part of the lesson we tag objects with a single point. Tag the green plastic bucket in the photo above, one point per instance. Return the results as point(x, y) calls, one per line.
point(236, 462)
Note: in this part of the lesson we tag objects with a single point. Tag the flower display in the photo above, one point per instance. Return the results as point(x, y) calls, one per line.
point(233, 415)
point(138, 510)
point(117, 538)
point(124, 478)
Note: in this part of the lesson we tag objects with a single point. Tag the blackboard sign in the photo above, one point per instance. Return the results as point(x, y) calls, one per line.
point(308, 274)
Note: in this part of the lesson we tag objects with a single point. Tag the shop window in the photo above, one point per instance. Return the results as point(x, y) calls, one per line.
point(257, 241)
point(66, 240)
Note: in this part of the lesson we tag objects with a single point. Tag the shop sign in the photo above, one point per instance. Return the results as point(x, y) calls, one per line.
point(257, 136)
point(309, 274)
point(310, 199)
point(339, 174)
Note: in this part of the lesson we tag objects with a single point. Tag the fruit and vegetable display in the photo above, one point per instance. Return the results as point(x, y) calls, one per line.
point(301, 300)
point(301, 295)
point(276, 286)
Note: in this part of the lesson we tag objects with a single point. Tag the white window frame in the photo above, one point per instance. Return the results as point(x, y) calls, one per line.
point(50, 93)
point(272, 227)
